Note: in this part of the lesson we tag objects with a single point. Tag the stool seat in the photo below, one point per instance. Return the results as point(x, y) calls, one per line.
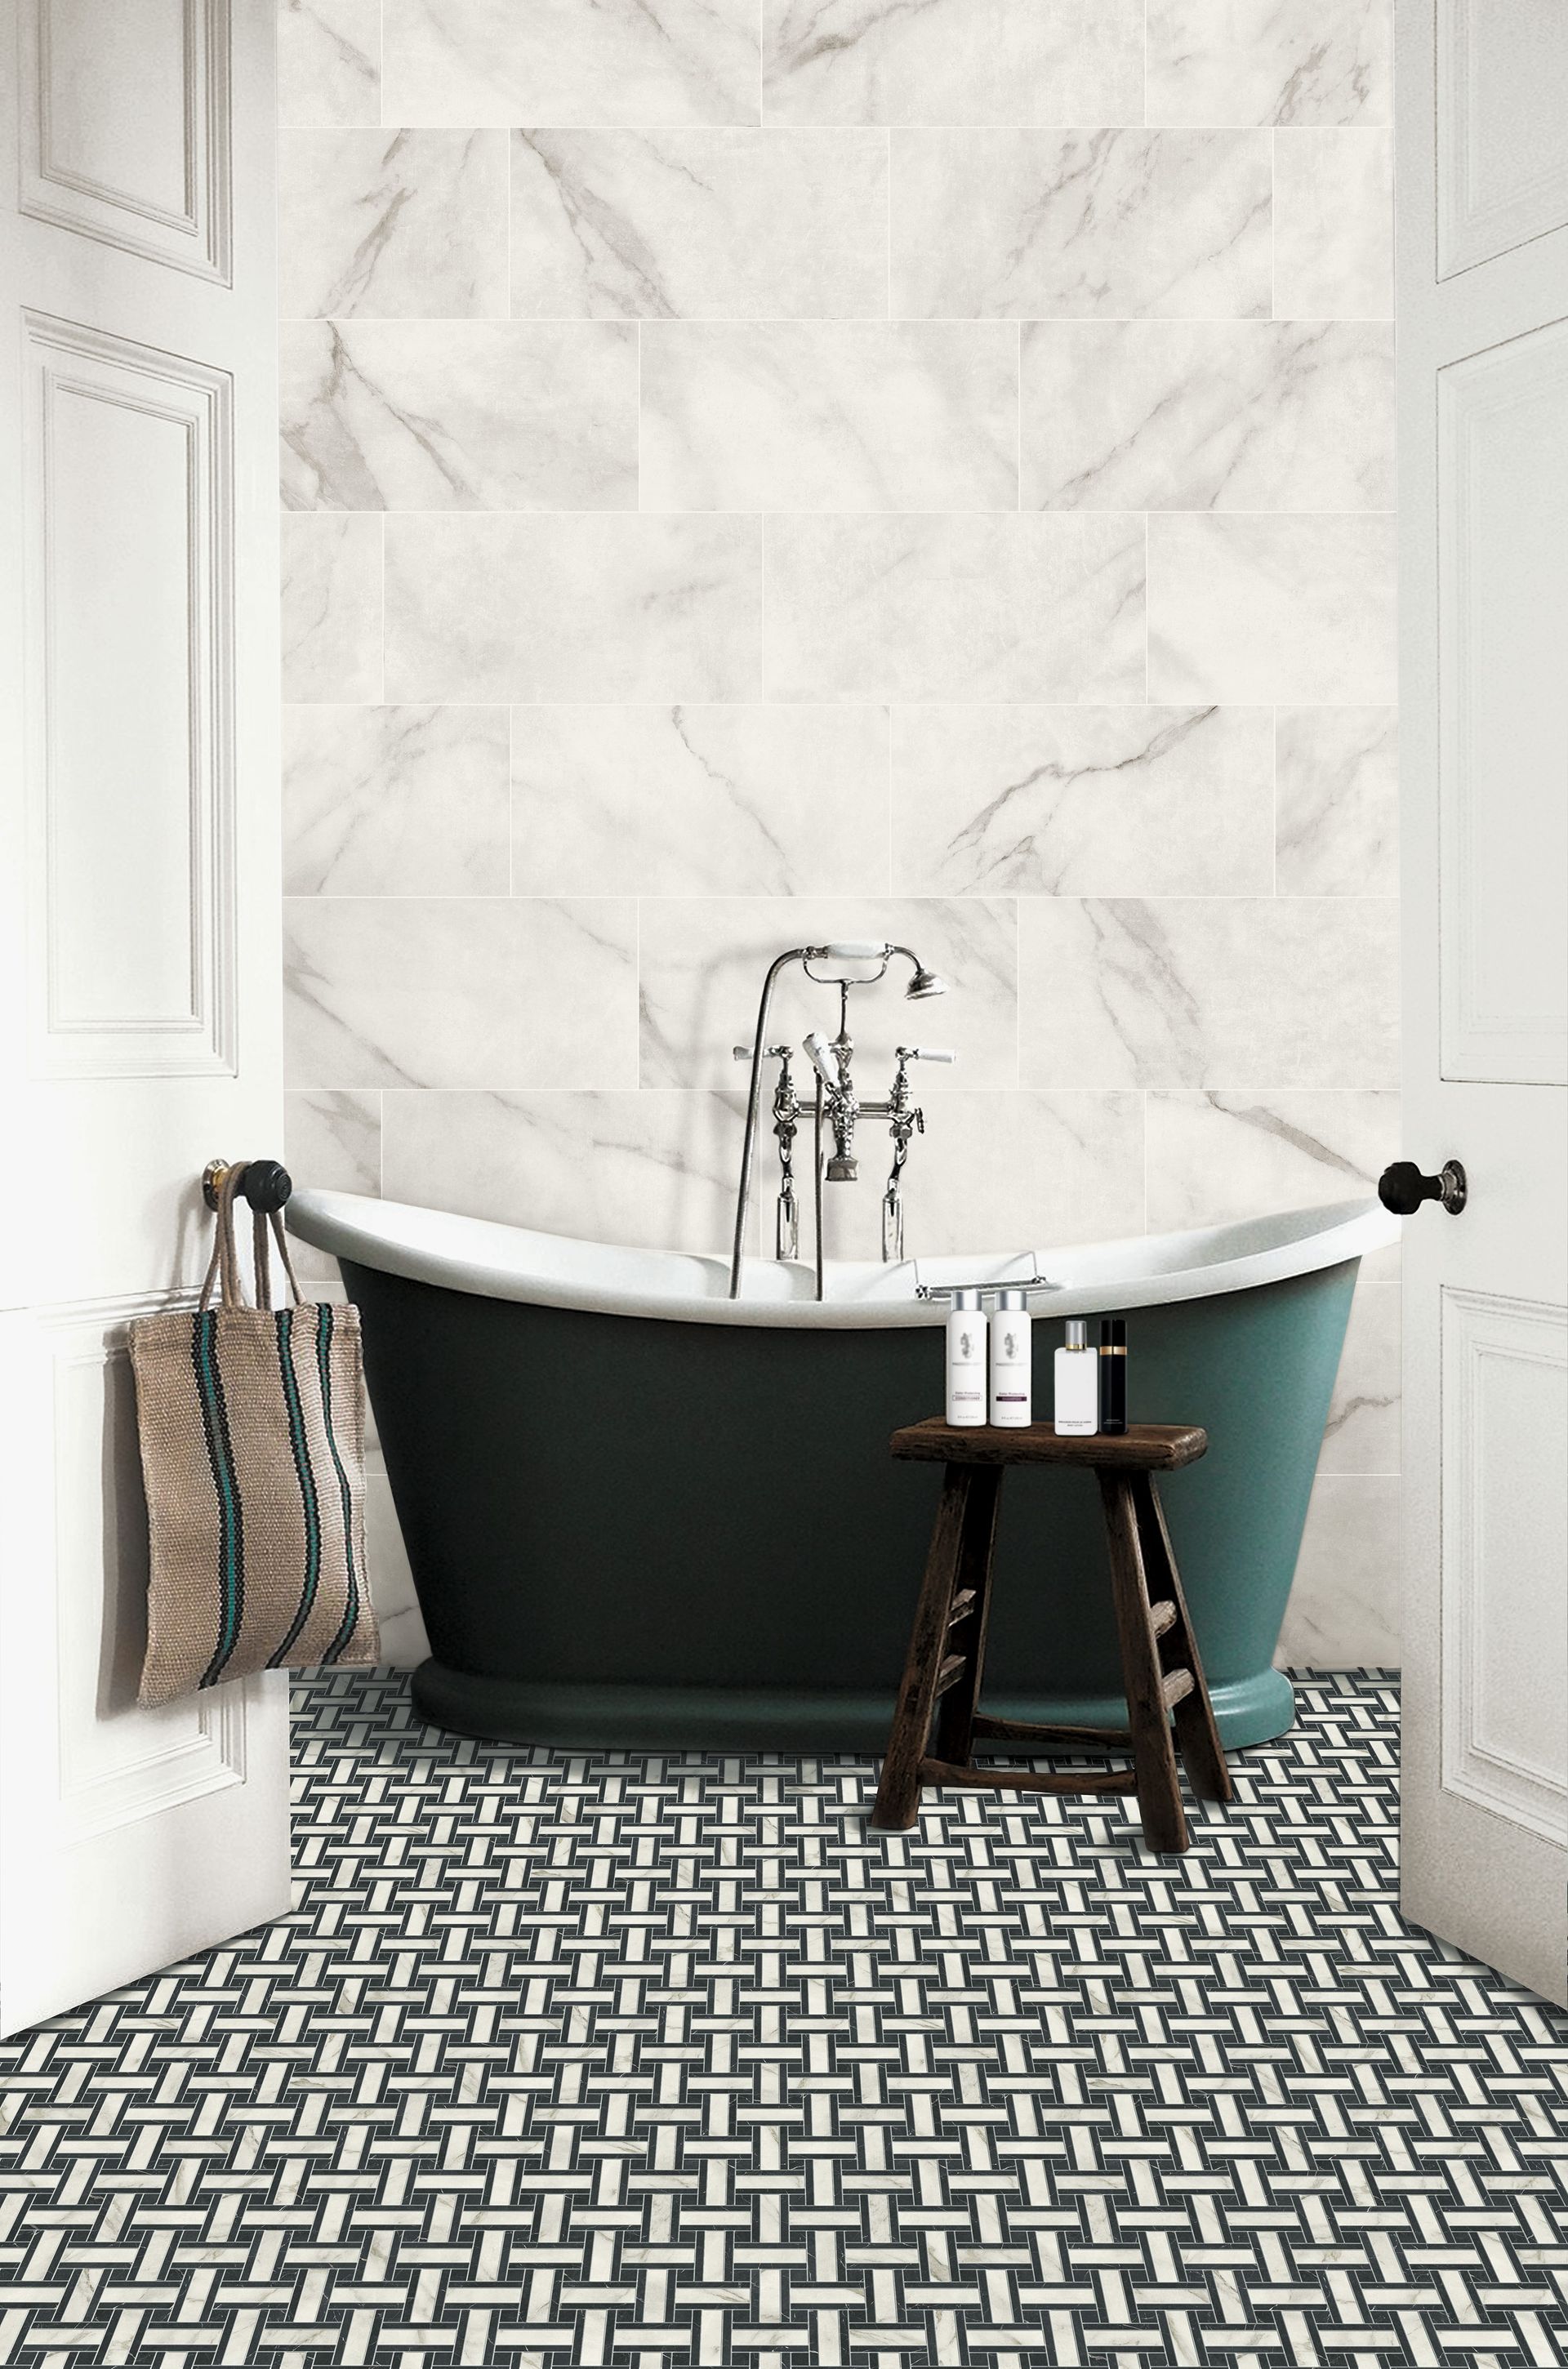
point(1162, 1675)
point(1141, 1447)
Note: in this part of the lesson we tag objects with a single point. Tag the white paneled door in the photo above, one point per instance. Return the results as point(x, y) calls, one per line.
point(1483, 314)
point(139, 991)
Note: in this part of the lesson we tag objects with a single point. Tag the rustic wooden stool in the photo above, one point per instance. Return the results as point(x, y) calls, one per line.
point(1161, 1669)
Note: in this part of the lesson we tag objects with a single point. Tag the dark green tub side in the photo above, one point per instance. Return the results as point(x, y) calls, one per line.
point(629, 1531)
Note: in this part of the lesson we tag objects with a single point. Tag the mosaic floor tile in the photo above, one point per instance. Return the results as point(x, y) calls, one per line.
point(662, 2059)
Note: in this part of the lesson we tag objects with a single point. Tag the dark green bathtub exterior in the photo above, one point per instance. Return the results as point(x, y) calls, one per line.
point(631, 1531)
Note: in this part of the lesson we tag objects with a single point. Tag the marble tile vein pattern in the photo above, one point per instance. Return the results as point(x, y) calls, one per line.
point(1337, 796)
point(586, 606)
point(949, 62)
point(1240, 991)
point(458, 415)
point(1207, 414)
point(1333, 240)
point(1297, 610)
point(739, 799)
point(659, 1164)
point(460, 990)
point(758, 469)
point(1321, 61)
point(329, 62)
point(571, 60)
point(1083, 801)
point(830, 415)
point(396, 801)
point(1049, 607)
point(1021, 224)
point(699, 225)
point(699, 961)
point(406, 223)
point(332, 606)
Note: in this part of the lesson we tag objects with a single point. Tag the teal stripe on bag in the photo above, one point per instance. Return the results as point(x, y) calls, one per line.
point(307, 1485)
point(324, 1366)
point(230, 1523)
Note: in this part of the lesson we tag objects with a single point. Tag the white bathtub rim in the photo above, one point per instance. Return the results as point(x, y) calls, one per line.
point(502, 1262)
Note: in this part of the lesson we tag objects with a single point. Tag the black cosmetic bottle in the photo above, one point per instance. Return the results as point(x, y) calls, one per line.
point(1112, 1373)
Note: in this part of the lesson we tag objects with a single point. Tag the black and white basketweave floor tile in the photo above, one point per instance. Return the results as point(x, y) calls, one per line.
point(656, 2059)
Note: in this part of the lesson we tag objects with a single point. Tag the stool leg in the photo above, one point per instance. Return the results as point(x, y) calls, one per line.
point(899, 1792)
point(956, 1713)
point(1154, 1759)
point(1203, 1756)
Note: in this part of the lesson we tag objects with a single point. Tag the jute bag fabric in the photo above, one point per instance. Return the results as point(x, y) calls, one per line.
point(252, 1431)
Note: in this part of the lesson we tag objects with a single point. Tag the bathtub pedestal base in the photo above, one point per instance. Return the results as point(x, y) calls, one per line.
point(759, 1718)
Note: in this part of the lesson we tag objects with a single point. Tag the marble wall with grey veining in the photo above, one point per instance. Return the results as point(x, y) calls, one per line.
point(837, 466)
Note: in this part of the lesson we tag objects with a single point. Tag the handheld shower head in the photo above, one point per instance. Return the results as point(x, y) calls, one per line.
point(924, 982)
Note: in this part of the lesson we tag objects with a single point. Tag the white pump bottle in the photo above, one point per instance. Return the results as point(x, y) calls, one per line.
point(966, 1330)
point(1012, 1363)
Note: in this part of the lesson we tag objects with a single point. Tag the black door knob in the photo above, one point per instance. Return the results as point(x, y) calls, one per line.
point(1402, 1188)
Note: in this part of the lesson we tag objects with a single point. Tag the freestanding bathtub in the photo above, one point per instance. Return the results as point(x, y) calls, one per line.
point(640, 1513)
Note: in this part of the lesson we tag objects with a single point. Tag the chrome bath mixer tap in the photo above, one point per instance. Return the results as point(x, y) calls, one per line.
point(836, 1108)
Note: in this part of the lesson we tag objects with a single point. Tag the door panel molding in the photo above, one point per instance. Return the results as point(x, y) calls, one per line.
point(131, 931)
point(1502, 627)
point(73, 156)
point(1502, 159)
point(118, 1763)
point(1504, 1554)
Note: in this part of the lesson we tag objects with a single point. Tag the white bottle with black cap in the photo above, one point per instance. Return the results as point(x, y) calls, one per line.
point(1077, 1368)
point(1012, 1363)
point(966, 1359)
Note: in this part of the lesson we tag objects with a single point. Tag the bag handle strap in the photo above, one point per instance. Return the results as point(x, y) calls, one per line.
point(223, 1267)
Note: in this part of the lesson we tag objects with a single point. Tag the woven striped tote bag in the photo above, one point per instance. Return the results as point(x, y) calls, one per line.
point(251, 1422)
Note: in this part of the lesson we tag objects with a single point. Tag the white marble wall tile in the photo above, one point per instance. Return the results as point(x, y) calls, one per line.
point(1333, 230)
point(396, 802)
point(332, 608)
point(1345, 1608)
point(582, 606)
point(702, 963)
point(382, 223)
point(1223, 991)
point(742, 800)
point(1363, 1426)
point(329, 62)
point(999, 1172)
point(699, 225)
point(332, 1143)
point(984, 61)
point(1019, 224)
point(657, 1170)
point(458, 415)
point(1047, 607)
point(830, 415)
point(1082, 801)
point(460, 990)
point(572, 61)
point(1337, 774)
point(1259, 608)
point(1328, 61)
point(404, 1645)
point(1207, 414)
point(1217, 1156)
